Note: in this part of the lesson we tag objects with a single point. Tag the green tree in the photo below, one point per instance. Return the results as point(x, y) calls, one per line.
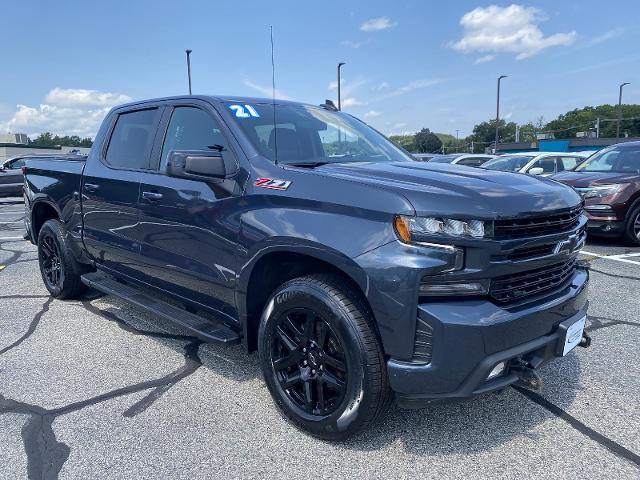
point(47, 139)
point(585, 119)
point(427, 142)
point(405, 141)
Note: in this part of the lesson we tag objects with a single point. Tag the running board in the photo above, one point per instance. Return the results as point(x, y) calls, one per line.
point(203, 328)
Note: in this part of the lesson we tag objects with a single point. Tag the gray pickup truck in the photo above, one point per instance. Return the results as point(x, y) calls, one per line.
point(358, 274)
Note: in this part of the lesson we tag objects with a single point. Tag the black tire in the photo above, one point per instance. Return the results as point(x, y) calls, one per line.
point(348, 389)
point(60, 272)
point(632, 227)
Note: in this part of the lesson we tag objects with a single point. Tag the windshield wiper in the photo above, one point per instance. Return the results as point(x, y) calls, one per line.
point(307, 164)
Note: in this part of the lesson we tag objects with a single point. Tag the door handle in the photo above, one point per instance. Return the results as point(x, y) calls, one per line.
point(91, 187)
point(152, 196)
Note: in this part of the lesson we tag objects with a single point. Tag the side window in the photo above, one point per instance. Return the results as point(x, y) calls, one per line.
point(567, 163)
point(548, 164)
point(132, 139)
point(472, 161)
point(16, 164)
point(191, 128)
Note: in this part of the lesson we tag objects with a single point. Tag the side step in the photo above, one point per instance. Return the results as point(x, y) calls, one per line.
point(203, 328)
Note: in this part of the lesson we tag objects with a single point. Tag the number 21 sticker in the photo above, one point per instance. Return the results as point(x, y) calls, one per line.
point(244, 111)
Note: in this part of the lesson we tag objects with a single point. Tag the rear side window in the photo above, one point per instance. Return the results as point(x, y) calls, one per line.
point(567, 163)
point(132, 139)
point(548, 164)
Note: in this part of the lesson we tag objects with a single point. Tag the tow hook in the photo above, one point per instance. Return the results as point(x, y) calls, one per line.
point(527, 376)
point(585, 341)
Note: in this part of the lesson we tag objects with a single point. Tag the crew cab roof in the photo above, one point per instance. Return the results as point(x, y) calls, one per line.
point(213, 98)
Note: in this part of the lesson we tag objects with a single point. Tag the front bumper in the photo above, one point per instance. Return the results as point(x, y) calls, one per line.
point(605, 226)
point(471, 337)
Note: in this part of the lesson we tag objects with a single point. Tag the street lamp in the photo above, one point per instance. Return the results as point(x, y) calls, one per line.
point(339, 102)
point(620, 108)
point(189, 68)
point(498, 113)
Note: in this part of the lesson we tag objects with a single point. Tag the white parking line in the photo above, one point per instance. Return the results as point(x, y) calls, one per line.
point(617, 258)
point(20, 238)
point(11, 223)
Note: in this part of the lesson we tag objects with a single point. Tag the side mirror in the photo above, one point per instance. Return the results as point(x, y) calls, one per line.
point(196, 164)
point(536, 171)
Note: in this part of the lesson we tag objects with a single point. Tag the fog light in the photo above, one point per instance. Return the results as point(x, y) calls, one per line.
point(453, 288)
point(497, 370)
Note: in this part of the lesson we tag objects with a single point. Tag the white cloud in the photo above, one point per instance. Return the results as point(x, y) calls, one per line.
point(409, 87)
point(351, 102)
point(78, 97)
point(356, 44)
point(382, 86)
point(605, 37)
point(375, 24)
point(372, 114)
point(484, 59)
point(64, 112)
point(266, 91)
point(513, 29)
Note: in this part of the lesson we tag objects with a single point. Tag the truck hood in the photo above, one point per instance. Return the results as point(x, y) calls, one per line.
point(589, 179)
point(458, 191)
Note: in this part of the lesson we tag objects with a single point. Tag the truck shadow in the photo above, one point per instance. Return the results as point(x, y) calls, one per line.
point(451, 428)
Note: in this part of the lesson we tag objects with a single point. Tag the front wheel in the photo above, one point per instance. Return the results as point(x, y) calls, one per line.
point(632, 228)
point(321, 357)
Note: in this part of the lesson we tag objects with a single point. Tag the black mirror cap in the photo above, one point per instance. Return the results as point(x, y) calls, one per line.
point(201, 164)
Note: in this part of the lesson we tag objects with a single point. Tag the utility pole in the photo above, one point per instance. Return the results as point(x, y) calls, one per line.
point(517, 133)
point(339, 100)
point(498, 114)
point(598, 127)
point(188, 51)
point(620, 109)
point(472, 149)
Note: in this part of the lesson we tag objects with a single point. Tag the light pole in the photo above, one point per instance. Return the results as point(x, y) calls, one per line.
point(498, 114)
point(339, 102)
point(620, 108)
point(189, 68)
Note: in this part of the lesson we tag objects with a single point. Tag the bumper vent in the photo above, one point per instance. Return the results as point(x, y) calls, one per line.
point(535, 226)
point(423, 346)
point(522, 286)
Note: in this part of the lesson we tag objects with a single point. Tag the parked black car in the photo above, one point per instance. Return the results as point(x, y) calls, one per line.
point(354, 270)
point(11, 177)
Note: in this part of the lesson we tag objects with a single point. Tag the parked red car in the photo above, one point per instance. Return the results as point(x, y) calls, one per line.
point(609, 182)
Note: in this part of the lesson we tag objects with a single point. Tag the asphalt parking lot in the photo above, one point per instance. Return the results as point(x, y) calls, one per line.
point(97, 389)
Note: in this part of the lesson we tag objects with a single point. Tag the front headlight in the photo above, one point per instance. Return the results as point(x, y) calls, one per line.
point(410, 228)
point(600, 190)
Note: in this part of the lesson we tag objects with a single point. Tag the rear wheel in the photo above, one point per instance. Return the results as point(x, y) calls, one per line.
point(60, 272)
point(632, 228)
point(321, 357)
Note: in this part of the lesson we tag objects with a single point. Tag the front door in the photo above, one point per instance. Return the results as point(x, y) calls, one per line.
point(111, 183)
point(189, 228)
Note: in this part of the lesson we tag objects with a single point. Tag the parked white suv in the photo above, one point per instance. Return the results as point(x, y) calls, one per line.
point(468, 159)
point(536, 163)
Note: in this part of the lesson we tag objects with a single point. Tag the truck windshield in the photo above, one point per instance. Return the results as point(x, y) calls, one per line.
point(307, 135)
point(507, 163)
point(619, 159)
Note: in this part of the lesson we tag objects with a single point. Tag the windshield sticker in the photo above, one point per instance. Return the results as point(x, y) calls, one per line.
point(244, 111)
point(272, 183)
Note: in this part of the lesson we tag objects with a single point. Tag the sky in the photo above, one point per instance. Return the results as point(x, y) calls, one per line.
point(409, 64)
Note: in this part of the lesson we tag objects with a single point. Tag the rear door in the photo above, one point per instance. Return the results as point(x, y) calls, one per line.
point(190, 227)
point(110, 188)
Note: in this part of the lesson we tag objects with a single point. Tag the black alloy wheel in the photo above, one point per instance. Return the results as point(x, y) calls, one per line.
point(309, 363)
point(52, 268)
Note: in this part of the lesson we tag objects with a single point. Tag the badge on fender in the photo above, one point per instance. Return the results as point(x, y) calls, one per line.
point(272, 183)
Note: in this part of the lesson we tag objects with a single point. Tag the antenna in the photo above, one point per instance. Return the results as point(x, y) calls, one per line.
point(273, 97)
point(188, 52)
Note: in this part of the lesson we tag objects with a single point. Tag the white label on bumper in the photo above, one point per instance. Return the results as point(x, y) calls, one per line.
point(574, 335)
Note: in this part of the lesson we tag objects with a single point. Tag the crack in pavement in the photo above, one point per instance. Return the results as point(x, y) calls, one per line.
point(596, 323)
point(613, 446)
point(32, 326)
point(45, 454)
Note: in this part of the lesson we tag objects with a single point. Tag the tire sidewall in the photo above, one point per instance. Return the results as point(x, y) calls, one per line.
point(630, 223)
point(346, 417)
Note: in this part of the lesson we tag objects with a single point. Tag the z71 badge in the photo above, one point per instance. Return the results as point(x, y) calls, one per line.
point(272, 183)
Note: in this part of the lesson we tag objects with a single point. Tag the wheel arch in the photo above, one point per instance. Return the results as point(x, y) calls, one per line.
point(41, 211)
point(274, 266)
